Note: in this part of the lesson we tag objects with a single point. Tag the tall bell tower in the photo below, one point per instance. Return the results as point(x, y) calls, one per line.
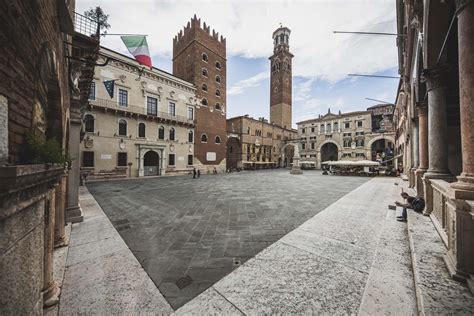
point(280, 79)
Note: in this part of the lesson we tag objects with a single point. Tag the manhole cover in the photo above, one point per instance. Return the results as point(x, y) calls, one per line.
point(181, 283)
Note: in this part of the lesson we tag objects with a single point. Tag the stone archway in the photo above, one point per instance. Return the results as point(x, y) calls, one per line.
point(233, 154)
point(151, 163)
point(287, 153)
point(381, 146)
point(329, 152)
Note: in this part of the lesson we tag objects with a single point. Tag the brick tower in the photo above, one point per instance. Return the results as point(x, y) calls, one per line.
point(199, 57)
point(280, 79)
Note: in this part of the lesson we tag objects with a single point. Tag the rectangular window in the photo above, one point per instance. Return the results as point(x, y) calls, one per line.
point(88, 159)
point(312, 129)
point(92, 91)
point(347, 134)
point(347, 125)
point(303, 146)
point(151, 106)
point(303, 131)
point(122, 159)
point(190, 160)
point(190, 113)
point(172, 109)
point(171, 160)
point(359, 123)
point(312, 145)
point(123, 97)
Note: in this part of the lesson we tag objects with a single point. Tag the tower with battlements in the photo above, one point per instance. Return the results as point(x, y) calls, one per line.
point(199, 56)
point(280, 79)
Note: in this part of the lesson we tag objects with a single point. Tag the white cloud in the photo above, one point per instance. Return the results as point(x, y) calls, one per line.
point(251, 82)
point(248, 26)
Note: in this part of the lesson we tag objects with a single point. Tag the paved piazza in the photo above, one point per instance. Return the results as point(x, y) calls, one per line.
point(189, 233)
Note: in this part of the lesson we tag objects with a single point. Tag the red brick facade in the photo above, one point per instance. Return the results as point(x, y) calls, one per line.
point(196, 49)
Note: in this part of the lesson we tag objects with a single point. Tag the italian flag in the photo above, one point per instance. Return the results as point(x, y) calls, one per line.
point(138, 47)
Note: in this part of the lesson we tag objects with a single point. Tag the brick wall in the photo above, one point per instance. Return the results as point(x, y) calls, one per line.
point(33, 71)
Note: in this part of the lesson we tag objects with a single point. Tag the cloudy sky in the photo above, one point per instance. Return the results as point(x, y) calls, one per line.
point(322, 59)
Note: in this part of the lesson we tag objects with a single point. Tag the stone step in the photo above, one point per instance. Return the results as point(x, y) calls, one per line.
point(390, 288)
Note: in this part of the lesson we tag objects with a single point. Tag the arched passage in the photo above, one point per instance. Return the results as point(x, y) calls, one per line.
point(287, 153)
point(381, 148)
point(151, 163)
point(234, 153)
point(329, 152)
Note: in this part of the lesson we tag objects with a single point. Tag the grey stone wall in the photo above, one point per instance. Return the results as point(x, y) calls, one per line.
point(3, 129)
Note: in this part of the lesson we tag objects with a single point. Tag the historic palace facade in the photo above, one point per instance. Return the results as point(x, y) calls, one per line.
point(435, 109)
point(145, 128)
point(258, 143)
point(361, 135)
point(199, 57)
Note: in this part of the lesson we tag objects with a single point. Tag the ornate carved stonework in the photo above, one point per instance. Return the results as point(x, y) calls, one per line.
point(435, 77)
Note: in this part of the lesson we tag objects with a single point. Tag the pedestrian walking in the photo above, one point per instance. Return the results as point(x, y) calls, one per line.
point(199, 173)
point(194, 173)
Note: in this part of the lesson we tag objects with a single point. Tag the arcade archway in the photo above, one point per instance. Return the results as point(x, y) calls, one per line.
point(329, 152)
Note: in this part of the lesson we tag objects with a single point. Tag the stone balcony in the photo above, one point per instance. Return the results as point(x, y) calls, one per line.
point(115, 107)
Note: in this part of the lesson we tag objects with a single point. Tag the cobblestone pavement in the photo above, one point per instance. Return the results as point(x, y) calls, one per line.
point(189, 233)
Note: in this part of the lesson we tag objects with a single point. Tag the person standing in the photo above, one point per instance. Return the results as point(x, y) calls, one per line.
point(194, 173)
point(199, 173)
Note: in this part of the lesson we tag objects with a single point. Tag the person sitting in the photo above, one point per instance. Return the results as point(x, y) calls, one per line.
point(415, 203)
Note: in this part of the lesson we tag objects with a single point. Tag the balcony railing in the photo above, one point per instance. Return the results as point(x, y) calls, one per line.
point(86, 26)
point(111, 104)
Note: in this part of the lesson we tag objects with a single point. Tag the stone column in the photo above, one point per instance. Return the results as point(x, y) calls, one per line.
point(422, 148)
point(460, 256)
point(73, 210)
point(50, 288)
point(414, 152)
point(437, 132)
point(466, 92)
point(60, 239)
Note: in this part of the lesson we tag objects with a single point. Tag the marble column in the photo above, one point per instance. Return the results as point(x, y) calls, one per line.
point(50, 288)
point(60, 239)
point(73, 210)
point(422, 148)
point(466, 92)
point(437, 132)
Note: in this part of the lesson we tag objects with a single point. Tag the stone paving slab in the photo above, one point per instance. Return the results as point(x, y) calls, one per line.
point(189, 233)
point(310, 271)
point(438, 293)
point(102, 277)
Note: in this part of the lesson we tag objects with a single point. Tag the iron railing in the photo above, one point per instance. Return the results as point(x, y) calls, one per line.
point(86, 26)
point(111, 104)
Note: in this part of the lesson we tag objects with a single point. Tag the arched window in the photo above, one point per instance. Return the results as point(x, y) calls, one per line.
point(218, 106)
point(204, 72)
point(161, 132)
point(218, 65)
point(172, 133)
point(141, 130)
point(89, 123)
point(190, 136)
point(204, 87)
point(204, 57)
point(218, 79)
point(204, 101)
point(218, 140)
point(218, 93)
point(122, 128)
point(203, 138)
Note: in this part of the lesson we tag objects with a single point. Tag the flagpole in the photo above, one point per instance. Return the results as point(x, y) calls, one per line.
point(123, 34)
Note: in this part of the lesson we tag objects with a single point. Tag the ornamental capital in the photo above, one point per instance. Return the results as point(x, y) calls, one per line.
point(435, 78)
